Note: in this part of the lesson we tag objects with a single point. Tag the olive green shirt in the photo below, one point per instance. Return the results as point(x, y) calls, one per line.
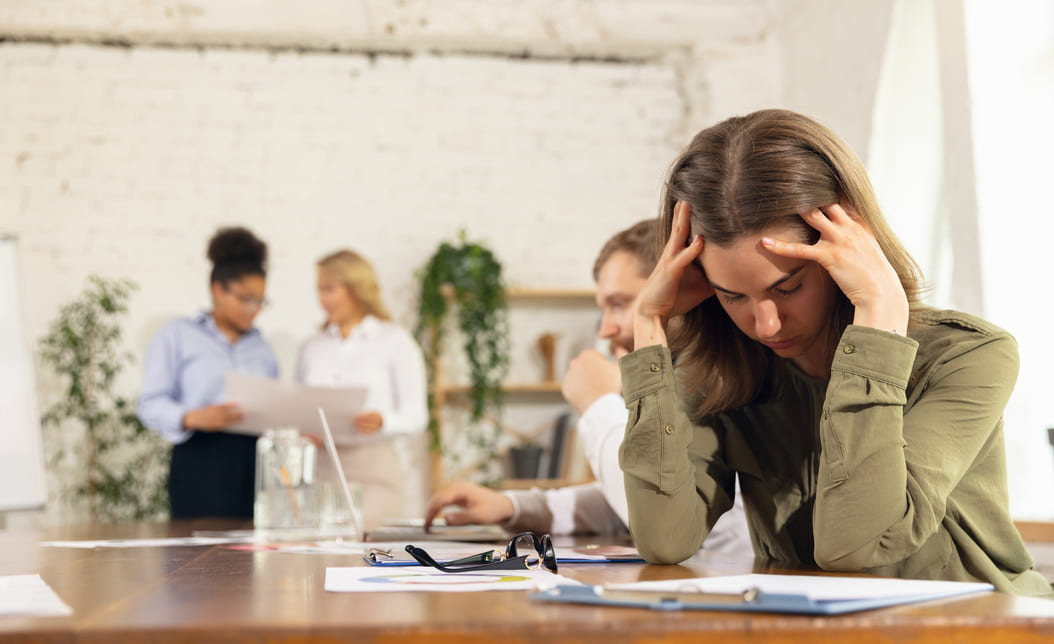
point(894, 466)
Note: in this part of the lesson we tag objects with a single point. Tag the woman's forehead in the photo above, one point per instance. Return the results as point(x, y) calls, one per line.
point(250, 282)
point(745, 264)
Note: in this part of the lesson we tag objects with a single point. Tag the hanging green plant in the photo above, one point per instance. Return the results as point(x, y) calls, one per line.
point(467, 276)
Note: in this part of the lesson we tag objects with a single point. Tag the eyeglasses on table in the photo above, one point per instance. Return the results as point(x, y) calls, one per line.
point(542, 554)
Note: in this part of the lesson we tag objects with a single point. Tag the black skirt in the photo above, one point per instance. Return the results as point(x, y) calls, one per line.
point(213, 474)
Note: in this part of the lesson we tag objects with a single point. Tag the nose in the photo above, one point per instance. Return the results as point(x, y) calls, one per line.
point(766, 319)
point(608, 327)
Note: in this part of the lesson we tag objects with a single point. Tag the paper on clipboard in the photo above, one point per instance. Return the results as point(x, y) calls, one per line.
point(269, 404)
point(766, 593)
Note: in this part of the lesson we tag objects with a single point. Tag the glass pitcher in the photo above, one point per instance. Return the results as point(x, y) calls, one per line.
point(285, 481)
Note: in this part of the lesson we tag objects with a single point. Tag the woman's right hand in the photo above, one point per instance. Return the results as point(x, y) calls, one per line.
point(676, 286)
point(213, 418)
point(368, 422)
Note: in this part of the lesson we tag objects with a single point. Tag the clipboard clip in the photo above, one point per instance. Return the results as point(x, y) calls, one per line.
point(374, 555)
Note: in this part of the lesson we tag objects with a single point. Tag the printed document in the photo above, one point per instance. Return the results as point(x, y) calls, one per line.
point(273, 404)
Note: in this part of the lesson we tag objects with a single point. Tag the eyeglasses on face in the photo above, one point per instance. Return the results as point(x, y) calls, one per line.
point(542, 554)
point(248, 301)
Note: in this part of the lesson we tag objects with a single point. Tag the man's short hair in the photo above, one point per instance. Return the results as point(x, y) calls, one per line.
point(638, 240)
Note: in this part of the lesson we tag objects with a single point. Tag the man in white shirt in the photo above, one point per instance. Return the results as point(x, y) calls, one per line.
point(593, 387)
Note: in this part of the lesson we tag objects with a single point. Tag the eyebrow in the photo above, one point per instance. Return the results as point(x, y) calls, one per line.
point(770, 286)
point(615, 295)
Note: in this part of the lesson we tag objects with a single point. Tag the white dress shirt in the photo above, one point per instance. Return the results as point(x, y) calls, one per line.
point(378, 355)
point(600, 506)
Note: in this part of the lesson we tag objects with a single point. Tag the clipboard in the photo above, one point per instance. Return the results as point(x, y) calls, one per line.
point(748, 594)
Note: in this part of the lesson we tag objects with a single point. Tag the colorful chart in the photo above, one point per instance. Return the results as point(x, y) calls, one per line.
point(366, 579)
point(431, 579)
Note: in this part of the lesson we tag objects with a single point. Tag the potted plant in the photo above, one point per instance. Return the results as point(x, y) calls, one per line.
point(104, 456)
point(467, 277)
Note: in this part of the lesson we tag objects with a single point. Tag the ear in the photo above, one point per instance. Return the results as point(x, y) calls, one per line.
point(216, 288)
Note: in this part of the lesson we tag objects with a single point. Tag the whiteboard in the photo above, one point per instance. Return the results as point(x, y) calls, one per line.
point(21, 451)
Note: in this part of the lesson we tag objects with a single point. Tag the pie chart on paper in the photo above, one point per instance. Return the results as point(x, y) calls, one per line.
point(431, 579)
point(373, 579)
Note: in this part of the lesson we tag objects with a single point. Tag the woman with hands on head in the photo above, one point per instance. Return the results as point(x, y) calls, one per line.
point(866, 428)
point(212, 472)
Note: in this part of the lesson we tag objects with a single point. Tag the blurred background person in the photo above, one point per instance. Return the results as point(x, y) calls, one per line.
point(359, 346)
point(185, 369)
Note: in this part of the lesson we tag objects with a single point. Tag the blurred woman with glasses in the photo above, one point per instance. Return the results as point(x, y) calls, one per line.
point(186, 366)
point(358, 345)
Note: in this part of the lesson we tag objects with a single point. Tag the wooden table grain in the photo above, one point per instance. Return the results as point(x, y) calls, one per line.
point(218, 594)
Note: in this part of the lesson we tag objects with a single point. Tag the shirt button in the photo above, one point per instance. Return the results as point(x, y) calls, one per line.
point(668, 429)
point(849, 348)
point(654, 367)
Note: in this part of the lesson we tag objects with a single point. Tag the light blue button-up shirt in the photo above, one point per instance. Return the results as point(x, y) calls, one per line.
point(186, 367)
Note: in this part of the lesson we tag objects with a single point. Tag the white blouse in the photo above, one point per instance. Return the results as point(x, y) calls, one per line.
point(378, 355)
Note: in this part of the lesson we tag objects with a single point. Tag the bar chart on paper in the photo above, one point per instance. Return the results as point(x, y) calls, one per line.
point(21, 451)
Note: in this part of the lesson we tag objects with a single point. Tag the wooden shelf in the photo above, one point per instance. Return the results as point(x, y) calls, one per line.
point(526, 301)
point(510, 388)
point(517, 293)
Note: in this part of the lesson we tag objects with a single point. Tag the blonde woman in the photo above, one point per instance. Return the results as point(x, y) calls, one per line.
point(359, 346)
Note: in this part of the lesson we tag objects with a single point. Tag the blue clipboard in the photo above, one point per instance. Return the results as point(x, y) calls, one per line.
point(751, 600)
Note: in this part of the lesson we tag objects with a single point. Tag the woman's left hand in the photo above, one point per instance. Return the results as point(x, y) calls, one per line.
point(849, 252)
point(368, 422)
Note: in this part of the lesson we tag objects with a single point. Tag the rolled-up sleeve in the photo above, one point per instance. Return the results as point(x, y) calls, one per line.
point(159, 407)
point(677, 485)
point(572, 509)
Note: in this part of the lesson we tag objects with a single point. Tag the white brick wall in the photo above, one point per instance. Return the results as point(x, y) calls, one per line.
point(563, 28)
point(123, 160)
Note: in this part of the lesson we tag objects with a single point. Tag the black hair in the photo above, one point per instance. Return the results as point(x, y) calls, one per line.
point(235, 253)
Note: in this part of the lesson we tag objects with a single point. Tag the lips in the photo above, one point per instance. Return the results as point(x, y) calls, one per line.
point(781, 344)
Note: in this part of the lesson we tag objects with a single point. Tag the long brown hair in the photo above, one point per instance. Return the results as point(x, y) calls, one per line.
point(741, 177)
point(356, 273)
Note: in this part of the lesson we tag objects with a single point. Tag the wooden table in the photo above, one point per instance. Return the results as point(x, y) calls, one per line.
point(217, 594)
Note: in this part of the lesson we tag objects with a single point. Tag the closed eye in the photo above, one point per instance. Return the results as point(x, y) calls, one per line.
point(788, 292)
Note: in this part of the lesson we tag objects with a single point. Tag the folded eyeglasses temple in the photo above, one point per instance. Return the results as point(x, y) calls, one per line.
point(502, 563)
